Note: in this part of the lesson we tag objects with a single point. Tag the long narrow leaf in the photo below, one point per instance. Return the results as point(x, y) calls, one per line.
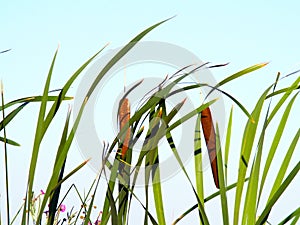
point(157, 193)
point(239, 104)
point(242, 72)
point(247, 144)
point(8, 141)
point(119, 55)
point(55, 196)
point(198, 160)
point(249, 214)
point(221, 178)
point(31, 99)
point(190, 115)
point(283, 98)
point(227, 143)
point(228, 188)
point(238, 74)
point(37, 140)
point(285, 163)
point(295, 214)
point(275, 142)
point(200, 205)
point(264, 216)
point(11, 115)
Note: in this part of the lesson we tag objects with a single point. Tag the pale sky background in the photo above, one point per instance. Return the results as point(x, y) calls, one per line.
point(240, 33)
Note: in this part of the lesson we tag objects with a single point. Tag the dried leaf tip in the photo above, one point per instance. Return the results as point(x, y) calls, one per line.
point(179, 105)
point(264, 64)
point(1, 87)
point(86, 161)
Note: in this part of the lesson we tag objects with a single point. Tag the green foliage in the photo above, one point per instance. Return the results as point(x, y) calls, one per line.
point(123, 173)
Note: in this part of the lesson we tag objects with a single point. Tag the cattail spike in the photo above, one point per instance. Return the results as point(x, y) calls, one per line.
point(124, 117)
point(210, 140)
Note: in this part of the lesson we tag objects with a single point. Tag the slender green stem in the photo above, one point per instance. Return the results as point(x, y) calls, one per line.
point(5, 156)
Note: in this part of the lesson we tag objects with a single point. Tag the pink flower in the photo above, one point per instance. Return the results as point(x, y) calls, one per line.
point(63, 207)
point(98, 222)
point(42, 192)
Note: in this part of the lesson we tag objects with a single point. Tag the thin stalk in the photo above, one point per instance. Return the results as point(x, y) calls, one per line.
point(5, 156)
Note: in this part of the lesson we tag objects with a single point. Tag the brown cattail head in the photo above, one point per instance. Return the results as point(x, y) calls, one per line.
point(124, 117)
point(210, 140)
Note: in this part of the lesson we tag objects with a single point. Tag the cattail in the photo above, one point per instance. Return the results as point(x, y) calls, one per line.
point(210, 140)
point(124, 117)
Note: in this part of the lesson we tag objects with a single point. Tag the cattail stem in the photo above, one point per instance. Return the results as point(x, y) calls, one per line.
point(5, 155)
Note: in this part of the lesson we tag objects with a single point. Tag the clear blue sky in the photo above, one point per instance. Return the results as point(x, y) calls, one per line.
point(240, 33)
